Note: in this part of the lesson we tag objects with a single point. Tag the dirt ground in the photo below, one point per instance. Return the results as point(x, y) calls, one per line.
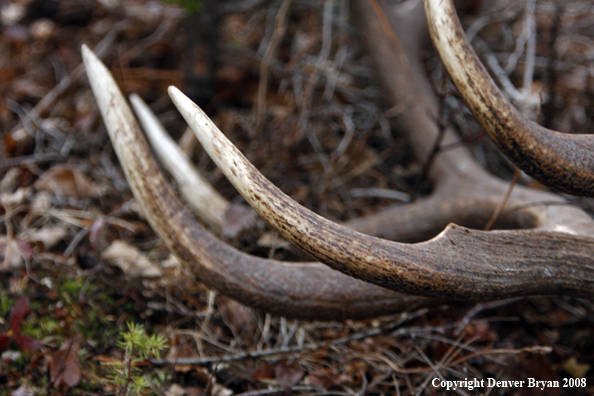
point(79, 261)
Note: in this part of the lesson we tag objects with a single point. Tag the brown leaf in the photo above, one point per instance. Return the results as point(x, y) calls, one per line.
point(326, 378)
point(288, 376)
point(540, 369)
point(576, 369)
point(65, 366)
point(11, 248)
point(264, 372)
point(26, 343)
point(4, 341)
point(17, 315)
point(235, 314)
point(239, 217)
point(49, 236)
point(131, 260)
point(72, 183)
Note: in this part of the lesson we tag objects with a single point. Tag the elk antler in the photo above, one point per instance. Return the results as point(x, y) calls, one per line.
point(558, 160)
point(553, 258)
point(304, 290)
point(458, 263)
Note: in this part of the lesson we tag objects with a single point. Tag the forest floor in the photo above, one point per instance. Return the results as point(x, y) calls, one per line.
point(72, 238)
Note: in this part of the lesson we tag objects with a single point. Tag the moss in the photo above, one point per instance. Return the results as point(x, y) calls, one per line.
point(6, 304)
point(72, 286)
point(190, 6)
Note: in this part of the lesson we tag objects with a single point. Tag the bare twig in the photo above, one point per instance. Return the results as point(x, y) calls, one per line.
point(503, 201)
point(387, 328)
point(277, 36)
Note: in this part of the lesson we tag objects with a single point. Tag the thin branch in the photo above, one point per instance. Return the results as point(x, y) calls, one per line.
point(277, 36)
point(295, 349)
point(503, 201)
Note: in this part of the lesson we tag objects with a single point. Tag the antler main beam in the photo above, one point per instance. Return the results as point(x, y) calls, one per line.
point(459, 263)
point(562, 161)
point(556, 257)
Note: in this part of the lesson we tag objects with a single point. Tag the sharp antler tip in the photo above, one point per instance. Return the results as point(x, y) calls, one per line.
point(173, 90)
point(86, 52)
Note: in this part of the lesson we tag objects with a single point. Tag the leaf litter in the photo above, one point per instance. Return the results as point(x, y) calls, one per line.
point(74, 247)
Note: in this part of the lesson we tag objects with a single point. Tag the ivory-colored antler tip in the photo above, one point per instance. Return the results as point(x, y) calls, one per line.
point(86, 52)
point(173, 90)
point(92, 63)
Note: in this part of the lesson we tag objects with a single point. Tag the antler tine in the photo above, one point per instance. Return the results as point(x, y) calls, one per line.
point(463, 193)
point(562, 161)
point(302, 290)
point(459, 263)
point(208, 204)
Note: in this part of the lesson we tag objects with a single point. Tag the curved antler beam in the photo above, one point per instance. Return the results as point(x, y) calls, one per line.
point(562, 161)
point(459, 263)
point(302, 290)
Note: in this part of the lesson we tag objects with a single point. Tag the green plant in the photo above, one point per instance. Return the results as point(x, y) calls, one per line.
point(138, 346)
point(190, 6)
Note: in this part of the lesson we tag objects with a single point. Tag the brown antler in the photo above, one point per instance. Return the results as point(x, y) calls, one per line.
point(459, 263)
point(558, 160)
point(559, 247)
point(304, 290)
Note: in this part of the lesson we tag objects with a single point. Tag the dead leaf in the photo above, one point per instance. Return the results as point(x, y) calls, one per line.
point(4, 341)
point(539, 368)
point(326, 378)
point(273, 240)
point(264, 372)
point(287, 375)
point(235, 314)
point(16, 198)
point(577, 370)
point(220, 390)
point(18, 313)
point(65, 365)
point(239, 218)
point(175, 390)
point(13, 249)
point(72, 183)
point(23, 390)
point(98, 234)
point(41, 204)
point(131, 260)
point(182, 350)
point(26, 343)
point(50, 236)
point(10, 181)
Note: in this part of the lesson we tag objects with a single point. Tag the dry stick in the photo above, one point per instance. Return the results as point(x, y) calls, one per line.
point(302, 348)
point(29, 159)
point(101, 49)
point(307, 97)
point(550, 70)
point(440, 123)
point(503, 201)
point(482, 307)
point(158, 34)
point(435, 369)
point(537, 349)
point(277, 36)
point(9, 233)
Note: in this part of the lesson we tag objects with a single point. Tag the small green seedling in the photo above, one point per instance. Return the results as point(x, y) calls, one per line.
point(138, 346)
